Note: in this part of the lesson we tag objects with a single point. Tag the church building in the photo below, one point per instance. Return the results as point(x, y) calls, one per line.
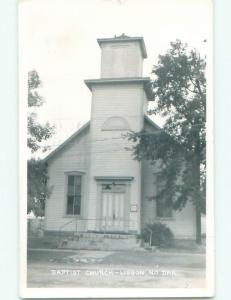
point(96, 185)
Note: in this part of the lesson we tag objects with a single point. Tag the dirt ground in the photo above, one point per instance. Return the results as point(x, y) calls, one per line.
point(84, 268)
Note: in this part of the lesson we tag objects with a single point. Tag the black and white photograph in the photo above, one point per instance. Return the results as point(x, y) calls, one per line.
point(116, 159)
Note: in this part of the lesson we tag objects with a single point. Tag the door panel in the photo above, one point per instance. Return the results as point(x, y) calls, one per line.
point(113, 211)
point(110, 209)
point(104, 209)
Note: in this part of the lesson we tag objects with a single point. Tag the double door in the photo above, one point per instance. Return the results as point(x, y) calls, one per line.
point(113, 208)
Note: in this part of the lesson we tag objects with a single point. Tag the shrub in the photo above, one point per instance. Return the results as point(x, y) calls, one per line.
point(161, 235)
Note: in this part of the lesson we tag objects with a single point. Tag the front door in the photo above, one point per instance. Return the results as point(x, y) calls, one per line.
point(113, 207)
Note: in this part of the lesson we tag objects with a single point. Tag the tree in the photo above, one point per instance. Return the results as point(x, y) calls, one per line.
point(37, 190)
point(36, 132)
point(179, 89)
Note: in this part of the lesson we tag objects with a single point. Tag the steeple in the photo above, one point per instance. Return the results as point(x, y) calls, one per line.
point(119, 99)
point(122, 56)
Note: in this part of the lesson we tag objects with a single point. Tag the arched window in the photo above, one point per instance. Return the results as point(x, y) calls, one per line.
point(115, 123)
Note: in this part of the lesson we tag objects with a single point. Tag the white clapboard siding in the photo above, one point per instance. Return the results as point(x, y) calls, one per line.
point(73, 157)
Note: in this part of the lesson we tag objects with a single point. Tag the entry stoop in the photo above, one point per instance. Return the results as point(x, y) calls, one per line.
point(100, 241)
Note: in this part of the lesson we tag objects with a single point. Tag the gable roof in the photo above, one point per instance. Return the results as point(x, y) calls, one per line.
point(67, 141)
point(152, 123)
point(81, 130)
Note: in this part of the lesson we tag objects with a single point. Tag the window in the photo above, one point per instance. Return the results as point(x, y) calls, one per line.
point(115, 123)
point(163, 209)
point(74, 194)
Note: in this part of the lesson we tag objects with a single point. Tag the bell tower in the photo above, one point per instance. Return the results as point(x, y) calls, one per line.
point(122, 56)
point(119, 99)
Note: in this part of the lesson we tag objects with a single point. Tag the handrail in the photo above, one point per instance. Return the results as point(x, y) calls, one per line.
point(74, 219)
point(99, 219)
point(62, 226)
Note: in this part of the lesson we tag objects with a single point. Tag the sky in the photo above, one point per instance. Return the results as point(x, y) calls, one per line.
point(58, 39)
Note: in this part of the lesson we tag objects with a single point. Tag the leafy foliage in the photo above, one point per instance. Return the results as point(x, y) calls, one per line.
point(36, 186)
point(34, 82)
point(37, 133)
point(158, 234)
point(37, 191)
point(179, 89)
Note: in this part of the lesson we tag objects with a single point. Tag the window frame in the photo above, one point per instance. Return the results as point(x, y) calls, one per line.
point(73, 173)
point(162, 218)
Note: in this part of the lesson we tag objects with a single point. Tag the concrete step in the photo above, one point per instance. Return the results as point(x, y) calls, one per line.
point(93, 235)
point(94, 241)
